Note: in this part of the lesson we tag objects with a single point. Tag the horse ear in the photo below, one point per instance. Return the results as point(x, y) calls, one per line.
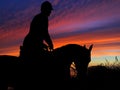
point(84, 46)
point(90, 48)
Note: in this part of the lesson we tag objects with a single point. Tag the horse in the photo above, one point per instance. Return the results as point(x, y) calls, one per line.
point(57, 68)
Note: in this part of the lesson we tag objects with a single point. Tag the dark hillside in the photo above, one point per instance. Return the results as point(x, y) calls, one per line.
point(104, 77)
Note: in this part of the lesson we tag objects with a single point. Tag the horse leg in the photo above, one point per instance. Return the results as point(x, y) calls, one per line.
point(82, 75)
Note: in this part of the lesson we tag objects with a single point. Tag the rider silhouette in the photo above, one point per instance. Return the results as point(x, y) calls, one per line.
point(33, 52)
point(38, 38)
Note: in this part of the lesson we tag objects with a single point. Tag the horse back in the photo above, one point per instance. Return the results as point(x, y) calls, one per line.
point(8, 68)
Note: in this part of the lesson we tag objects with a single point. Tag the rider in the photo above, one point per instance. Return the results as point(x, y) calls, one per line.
point(38, 38)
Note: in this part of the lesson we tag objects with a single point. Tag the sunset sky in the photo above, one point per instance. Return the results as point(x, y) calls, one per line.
point(83, 22)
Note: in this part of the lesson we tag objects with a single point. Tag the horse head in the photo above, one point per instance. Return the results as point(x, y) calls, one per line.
point(82, 61)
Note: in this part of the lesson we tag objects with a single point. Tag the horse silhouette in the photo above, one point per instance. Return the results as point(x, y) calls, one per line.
point(56, 68)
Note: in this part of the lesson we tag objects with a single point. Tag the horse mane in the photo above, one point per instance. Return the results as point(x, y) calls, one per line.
point(74, 48)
